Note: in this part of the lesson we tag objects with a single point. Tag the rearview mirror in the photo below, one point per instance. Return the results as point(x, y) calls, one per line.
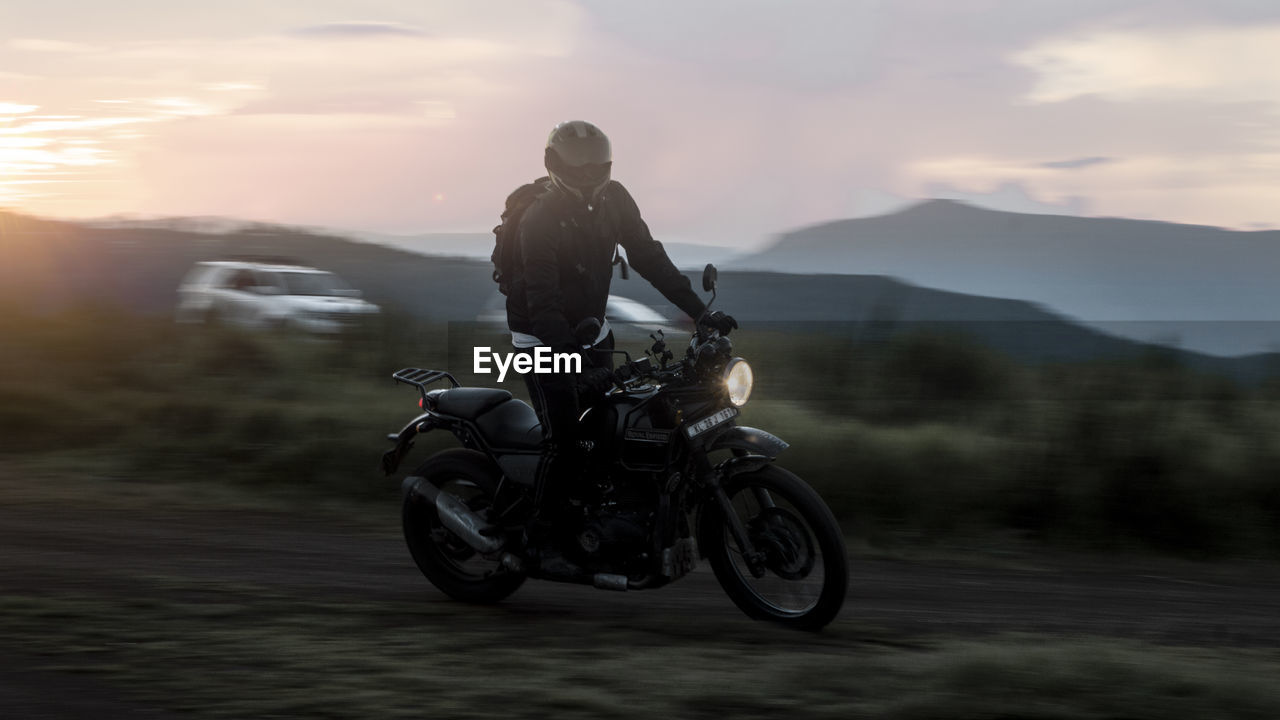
point(709, 275)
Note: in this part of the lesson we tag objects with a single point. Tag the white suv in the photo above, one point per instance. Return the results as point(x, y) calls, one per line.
point(631, 321)
point(257, 294)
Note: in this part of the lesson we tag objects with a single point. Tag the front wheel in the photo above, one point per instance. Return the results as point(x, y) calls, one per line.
point(448, 562)
point(798, 574)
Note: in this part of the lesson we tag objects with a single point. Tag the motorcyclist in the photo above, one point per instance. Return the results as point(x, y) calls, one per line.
point(568, 240)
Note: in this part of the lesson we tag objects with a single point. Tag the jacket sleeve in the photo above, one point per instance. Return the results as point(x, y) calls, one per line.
point(649, 258)
point(539, 248)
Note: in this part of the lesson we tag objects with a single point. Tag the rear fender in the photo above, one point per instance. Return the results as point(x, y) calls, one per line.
point(403, 440)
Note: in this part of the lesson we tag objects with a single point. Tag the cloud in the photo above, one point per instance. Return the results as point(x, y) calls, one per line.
point(361, 29)
point(1204, 63)
point(49, 46)
point(7, 108)
point(1010, 196)
point(232, 86)
point(1076, 163)
point(45, 126)
point(181, 106)
point(1224, 189)
point(742, 118)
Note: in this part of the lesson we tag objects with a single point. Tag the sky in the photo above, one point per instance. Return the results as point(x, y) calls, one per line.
point(731, 120)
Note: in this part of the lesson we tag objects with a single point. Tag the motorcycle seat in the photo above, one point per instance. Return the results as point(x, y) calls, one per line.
point(470, 403)
point(512, 425)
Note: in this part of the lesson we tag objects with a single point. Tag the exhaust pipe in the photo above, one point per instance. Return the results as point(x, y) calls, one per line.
point(610, 581)
point(457, 517)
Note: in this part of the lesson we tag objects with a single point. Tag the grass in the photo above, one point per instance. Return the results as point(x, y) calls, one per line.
point(245, 651)
point(923, 436)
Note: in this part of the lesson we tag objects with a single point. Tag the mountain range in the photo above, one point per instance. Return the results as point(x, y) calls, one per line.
point(1203, 288)
point(478, 246)
point(49, 264)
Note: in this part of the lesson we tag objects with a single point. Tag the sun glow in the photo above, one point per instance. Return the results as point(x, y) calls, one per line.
point(140, 123)
point(40, 155)
point(8, 108)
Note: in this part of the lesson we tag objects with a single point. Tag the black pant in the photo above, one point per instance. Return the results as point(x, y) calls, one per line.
point(557, 401)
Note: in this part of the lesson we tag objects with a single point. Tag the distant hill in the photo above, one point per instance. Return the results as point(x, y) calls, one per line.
point(692, 256)
point(1204, 288)
point(47, 264)
point(474, 245)
point(50, 264)
point(873, 308)
point(479, 246)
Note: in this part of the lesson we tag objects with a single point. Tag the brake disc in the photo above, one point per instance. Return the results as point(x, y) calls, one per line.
point(785, 541)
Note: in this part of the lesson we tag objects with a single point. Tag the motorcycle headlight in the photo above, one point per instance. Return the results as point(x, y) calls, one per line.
point(738, 381)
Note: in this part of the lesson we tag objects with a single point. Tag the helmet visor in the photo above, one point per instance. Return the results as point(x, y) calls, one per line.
point(586, 176)
point(581, 149)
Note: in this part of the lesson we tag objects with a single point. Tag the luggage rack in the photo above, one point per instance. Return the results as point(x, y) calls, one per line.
point(420, 378)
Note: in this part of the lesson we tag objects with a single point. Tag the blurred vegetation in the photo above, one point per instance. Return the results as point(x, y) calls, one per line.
point(918, 435)
point(151, 400)
point(938, 436)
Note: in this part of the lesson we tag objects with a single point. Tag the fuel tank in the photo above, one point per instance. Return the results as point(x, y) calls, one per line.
point(640, 426)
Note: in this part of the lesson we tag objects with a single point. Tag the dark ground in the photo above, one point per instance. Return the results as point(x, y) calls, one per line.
point(117, 551)
point(1159, 600)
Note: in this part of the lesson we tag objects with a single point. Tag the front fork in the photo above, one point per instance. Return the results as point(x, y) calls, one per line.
point(754, 558)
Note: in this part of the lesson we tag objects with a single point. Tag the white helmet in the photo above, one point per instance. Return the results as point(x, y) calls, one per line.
point(579, 159)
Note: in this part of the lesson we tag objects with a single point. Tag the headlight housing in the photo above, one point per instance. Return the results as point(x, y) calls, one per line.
point(738, 380)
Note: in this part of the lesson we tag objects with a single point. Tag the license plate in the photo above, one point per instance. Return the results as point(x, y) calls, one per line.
point(695, 429)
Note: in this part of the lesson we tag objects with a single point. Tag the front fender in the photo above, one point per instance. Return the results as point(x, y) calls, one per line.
point(752, 440)
point(753, 449)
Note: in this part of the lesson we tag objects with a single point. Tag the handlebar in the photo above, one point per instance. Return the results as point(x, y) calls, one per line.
point(704, 346)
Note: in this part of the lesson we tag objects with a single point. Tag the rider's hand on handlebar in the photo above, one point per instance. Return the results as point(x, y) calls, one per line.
point(720, 321)
point(595, 381)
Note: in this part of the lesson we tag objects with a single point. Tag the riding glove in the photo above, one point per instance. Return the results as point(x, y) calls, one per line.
point(720, 321)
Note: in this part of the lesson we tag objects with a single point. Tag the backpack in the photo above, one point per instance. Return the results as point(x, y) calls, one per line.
point(506, 235)
point(506, 249)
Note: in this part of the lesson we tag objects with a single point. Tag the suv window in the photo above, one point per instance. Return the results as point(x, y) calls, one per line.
point(265, 278)
point(240, 280)
point(312, 283)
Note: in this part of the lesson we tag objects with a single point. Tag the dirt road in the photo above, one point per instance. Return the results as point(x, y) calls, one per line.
point(51, 550)
point(87, 551)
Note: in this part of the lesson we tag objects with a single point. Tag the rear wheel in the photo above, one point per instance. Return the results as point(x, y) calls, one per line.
point(798, 574)
point(448, 562)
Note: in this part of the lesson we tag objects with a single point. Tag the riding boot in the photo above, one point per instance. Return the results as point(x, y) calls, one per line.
point(554, 520)
point(546, 537)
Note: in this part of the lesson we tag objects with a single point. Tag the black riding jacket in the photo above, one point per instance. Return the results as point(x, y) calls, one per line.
point(567, 254)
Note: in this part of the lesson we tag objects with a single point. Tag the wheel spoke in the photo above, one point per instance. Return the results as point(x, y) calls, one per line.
point(444, 558)
point(792, 582)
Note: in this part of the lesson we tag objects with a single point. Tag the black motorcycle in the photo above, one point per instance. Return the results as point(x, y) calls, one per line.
point(673, 479)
